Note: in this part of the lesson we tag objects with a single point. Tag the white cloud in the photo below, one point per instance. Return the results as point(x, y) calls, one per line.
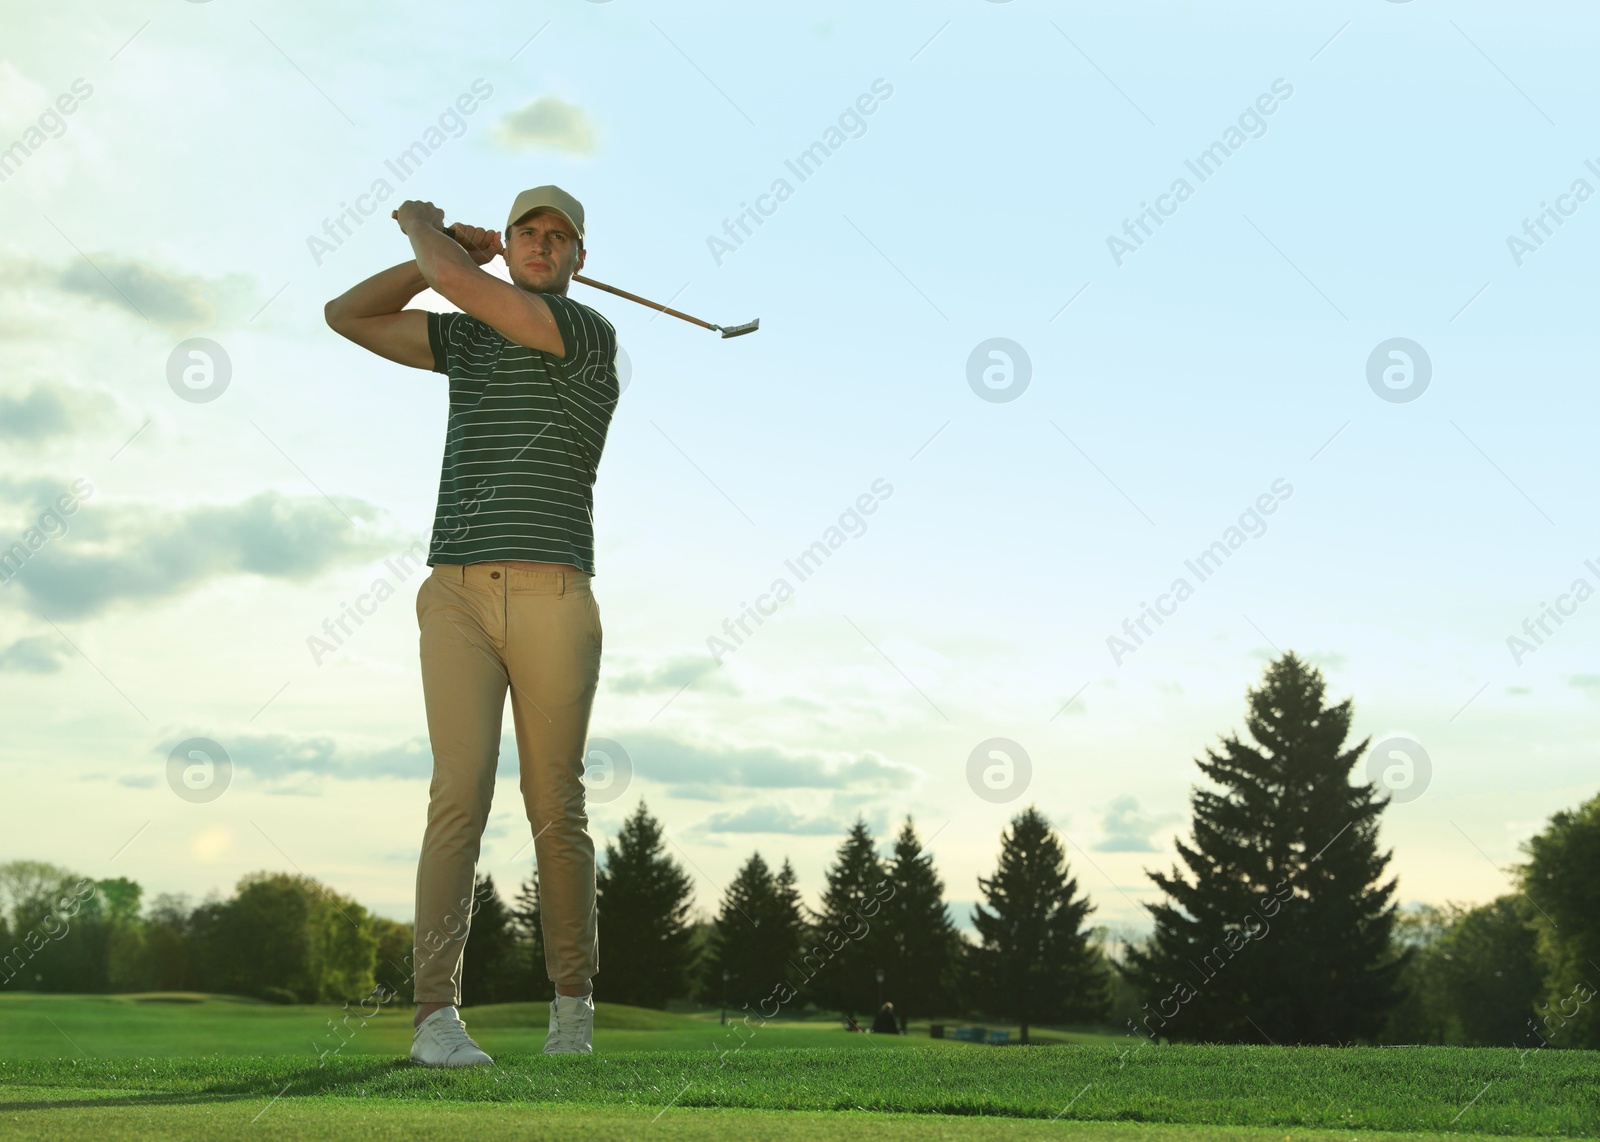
point(700, 671)
point(178, 302)
point(771, 819)
point(145, 554)
point(36, 654)
point(549, 121)
point(1124, 829)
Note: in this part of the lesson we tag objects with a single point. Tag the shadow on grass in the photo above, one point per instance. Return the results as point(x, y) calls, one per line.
point(121, 1101)
point(300, 1081)
point(316, 1079)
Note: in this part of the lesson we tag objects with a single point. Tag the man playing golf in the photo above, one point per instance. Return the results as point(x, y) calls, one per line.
point(533, 384)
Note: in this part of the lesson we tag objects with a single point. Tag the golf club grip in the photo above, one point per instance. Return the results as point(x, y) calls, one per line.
point(395, 214)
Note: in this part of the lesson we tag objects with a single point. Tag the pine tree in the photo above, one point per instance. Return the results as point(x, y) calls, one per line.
point(788, 904)
point(529, 923)
point(848, 942)
point(756, 935)
point(921, 972)
point(644, 898)
point(1285, 869)
point(491, 969)
point(1036, 962)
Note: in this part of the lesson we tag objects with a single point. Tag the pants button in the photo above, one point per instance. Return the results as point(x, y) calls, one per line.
point(494, 574)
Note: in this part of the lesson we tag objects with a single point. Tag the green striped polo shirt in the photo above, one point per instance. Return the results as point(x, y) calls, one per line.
point(524, 438)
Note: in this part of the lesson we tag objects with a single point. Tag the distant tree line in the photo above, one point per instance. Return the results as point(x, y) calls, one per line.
point(281, 937)
point(1524, 969)
point(883, 931)
point(1281, 927)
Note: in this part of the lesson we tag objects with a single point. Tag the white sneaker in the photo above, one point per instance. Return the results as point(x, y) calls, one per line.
point(441, 1040)
point(571, 1026)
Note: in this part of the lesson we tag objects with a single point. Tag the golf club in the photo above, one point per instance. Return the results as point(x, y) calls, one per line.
point(726, 331)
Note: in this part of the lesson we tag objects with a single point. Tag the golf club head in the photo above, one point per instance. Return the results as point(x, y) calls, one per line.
point(740, 330)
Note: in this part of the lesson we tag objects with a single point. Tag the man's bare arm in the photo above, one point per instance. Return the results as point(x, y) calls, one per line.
point(373, 315)
point(455, 275)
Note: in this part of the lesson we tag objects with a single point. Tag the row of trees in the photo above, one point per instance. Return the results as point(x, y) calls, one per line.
point(882, 931)
point(1522, 970)
point(281, 936)
point(1280, 927)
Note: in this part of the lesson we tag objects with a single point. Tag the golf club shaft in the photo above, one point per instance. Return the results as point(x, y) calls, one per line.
point(641, 300)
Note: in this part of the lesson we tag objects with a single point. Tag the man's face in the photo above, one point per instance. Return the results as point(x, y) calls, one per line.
point(542, 253)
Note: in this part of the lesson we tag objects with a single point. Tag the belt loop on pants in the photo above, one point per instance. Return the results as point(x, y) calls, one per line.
point(561, 583)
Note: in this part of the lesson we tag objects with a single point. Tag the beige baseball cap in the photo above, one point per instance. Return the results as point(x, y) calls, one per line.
point(551, 198)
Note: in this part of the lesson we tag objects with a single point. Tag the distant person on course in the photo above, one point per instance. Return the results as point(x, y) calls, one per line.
point(884, 1023)
point(533, 384)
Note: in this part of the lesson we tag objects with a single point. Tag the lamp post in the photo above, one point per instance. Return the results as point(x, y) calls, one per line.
point(724, 997)
point(880, 987)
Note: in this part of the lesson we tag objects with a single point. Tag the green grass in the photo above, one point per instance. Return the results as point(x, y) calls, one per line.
point(1439, 1090)
point(344, 1119)
point(176, 1023)
point(890, 1086)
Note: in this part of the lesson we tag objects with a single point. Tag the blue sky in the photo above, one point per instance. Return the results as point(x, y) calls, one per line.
point(1228, 357)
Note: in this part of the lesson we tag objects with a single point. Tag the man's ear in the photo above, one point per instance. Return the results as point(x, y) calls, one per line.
point(582, 253)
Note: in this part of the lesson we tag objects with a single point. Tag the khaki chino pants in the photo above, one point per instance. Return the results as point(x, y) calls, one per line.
point(487, 627)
